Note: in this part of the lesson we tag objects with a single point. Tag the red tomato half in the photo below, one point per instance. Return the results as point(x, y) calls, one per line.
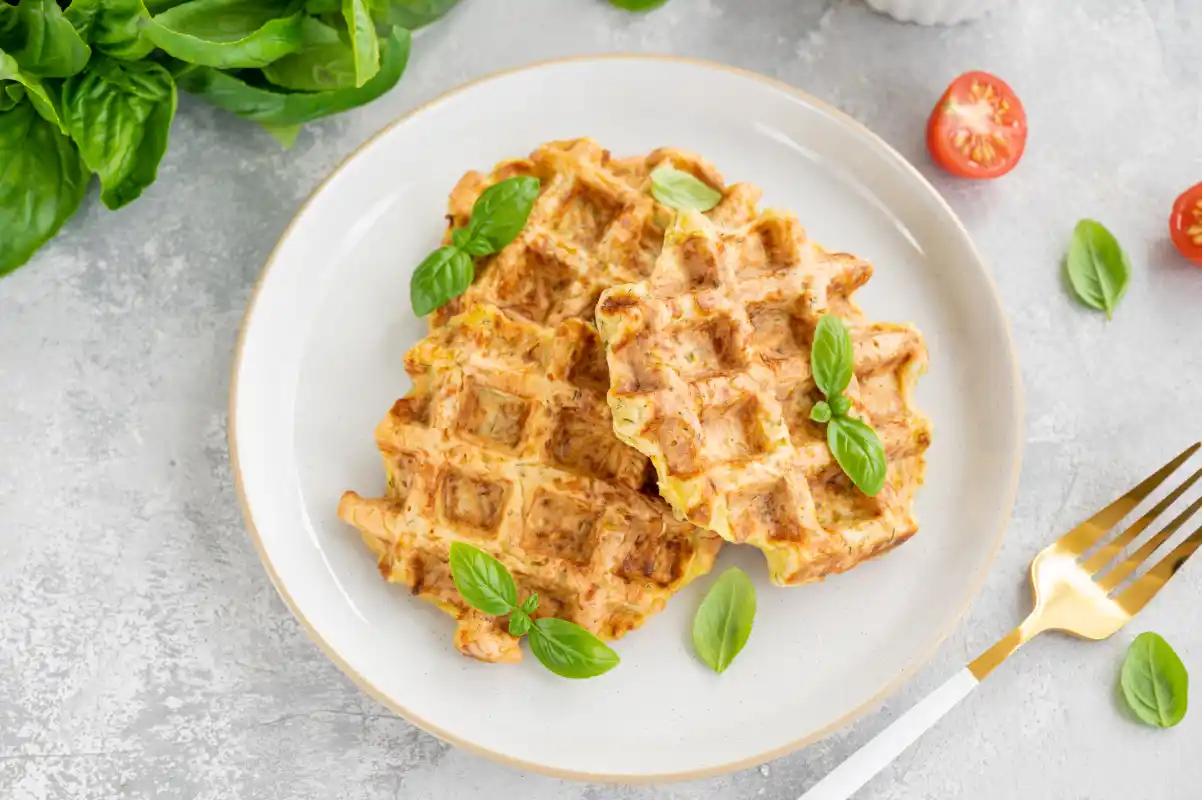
point(978, 129)
point(1185, 224)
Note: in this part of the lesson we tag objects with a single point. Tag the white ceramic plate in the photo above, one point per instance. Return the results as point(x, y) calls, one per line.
point(320, 363)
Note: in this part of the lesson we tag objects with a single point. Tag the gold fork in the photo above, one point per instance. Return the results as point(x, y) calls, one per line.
point(1074, 593)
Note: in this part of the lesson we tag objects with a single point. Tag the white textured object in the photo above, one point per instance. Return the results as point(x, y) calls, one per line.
point(935, 12)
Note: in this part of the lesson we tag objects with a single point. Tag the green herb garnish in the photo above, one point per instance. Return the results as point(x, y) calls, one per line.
point(680, 190)
point(638, 5)
point(498, 216)
point(855, 445)
point(1097, 268)
point(105, 73)
point(561, 646)
point(1154, 681)
point(724, 619)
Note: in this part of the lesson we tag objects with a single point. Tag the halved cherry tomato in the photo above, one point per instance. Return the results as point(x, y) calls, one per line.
point(978, 129)
point(1185, 224)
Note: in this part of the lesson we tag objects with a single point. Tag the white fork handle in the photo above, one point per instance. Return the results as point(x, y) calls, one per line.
point(852, 774)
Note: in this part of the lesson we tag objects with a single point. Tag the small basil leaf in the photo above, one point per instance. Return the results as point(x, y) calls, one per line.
point(227, 34)
point(821, 412)
point(500, 213)
point(459, 237)
point(40, 95)
point(638, 5)
point(284, 134)
point(724, 620)
point(519, 623)
point(482, 580)
point(680, 190)
point(12, 94)
point(114, 27)
point(324, 61)
point(569, 650)
point(1098, 269)
point(364, 43)
point(42, 183)
point(832, 359)
point(445, 274)
point(840, 405)
point(411, 14)
point(39, 37)
point(119, 114)
point(859, 452)
point(530, 603)
point(273, 107)
point(1155, 682)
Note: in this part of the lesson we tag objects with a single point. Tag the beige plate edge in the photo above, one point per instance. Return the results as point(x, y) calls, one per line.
point(733, 766)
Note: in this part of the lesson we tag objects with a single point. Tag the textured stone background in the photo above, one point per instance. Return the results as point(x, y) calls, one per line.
point(143, 652)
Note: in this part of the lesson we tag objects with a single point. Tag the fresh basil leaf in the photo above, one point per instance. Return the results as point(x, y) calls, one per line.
point(821, 412)
point(519, 623)
point(832, 359)
point(445, 274)
point(323, 8)
point(724, 619)
point(119, 114)
point(840, 405)
point(411, 14)
point(270, 107)
point(39, 37)
point(42, 182)
point(227, 34)
point(482, 580)
point(114, 27)
point(324, 61)
point(859, 452)
point(459, 238)
point(42, 96)
point(677, 189)
point(11, 94)
point(530, 603)
point(364, 43)
point(500, 213)
point(638, 5)
point(1155, 682)
point(569, 650)
point(1098, 269)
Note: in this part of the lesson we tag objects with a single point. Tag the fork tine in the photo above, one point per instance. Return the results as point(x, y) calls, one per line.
point(1112, 579)
point(1085, 535)
point(1111, 549)
point(1139, 593)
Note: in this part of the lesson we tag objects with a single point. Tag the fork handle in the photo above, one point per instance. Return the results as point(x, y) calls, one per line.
point(865, 763)
point(847, 778)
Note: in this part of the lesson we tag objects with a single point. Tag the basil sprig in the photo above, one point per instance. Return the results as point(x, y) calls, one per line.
point(678, 189)
point(498, 216)
point(1155, 682)
point(1097, 268)
point(855, 445)
point(563, 647)
point(724, 619)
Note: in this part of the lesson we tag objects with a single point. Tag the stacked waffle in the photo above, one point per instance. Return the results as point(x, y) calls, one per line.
point(538, 438)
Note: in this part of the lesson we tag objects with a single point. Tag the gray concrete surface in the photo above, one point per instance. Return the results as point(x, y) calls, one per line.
point(143, 652)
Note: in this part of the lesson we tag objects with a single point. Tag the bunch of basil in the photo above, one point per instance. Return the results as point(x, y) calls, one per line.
point(89, 86)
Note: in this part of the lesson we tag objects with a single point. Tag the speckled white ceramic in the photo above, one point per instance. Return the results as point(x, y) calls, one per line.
point(320, 362)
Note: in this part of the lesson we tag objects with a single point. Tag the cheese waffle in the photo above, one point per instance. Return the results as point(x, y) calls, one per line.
point(505, 442)
point(710, 377)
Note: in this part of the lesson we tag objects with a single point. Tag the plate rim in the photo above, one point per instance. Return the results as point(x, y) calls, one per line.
point(903, 677)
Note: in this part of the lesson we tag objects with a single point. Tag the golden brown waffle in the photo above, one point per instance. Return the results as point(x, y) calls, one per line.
point(594, 225)
point(710, 376)
point(506, 443)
